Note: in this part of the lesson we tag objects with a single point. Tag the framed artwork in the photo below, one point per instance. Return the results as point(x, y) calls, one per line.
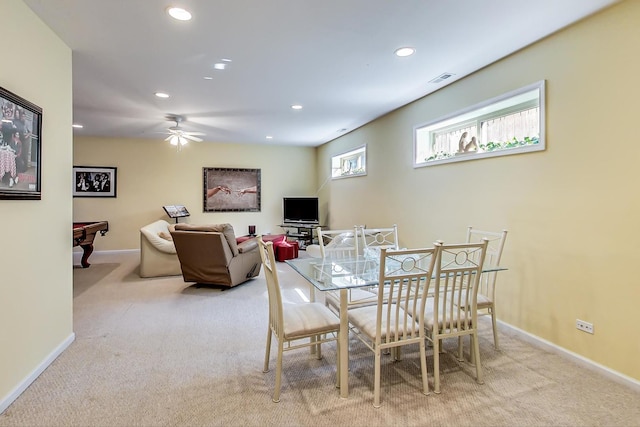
point(20, 148)
point(231, 190)
point(94, 181)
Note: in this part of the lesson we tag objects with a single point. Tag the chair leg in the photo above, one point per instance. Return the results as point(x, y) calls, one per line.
point(471, 350)
point(397, 353)
point(338, 361)
point(276, 392)
point(318, 347)
point(436, 365)
point(495, 327)
point(376, 384)
point(268, 350)
point(423, 367)
point(476, 351)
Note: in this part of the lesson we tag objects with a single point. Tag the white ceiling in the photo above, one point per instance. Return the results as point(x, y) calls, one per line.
point(335, 57)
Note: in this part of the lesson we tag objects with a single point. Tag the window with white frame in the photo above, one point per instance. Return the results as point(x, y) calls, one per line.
point(509, 124)
point(351, 163)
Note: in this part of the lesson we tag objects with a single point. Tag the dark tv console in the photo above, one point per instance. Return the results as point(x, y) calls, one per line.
point(305, 233)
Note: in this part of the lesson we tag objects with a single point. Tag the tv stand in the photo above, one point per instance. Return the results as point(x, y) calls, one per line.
point(305, 234)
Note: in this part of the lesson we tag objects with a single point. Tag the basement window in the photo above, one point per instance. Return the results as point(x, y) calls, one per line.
point(508, 124)
point(351, 163)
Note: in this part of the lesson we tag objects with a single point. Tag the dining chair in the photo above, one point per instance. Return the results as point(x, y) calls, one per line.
point(373, 240)
point(377, 238)
point(338, 243)
point(451, 309)
point(294, 325)
point(389, 324)
point(343, 244)
point(487, 287)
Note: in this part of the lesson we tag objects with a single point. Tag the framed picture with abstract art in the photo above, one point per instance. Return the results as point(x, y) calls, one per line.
point(20, 148)
point(94, 181)
point(231, 190)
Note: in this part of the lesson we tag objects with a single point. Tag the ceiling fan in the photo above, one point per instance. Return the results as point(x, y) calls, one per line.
point(178, 136)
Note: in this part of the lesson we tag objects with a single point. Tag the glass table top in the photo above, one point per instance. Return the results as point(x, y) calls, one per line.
point(344, 273)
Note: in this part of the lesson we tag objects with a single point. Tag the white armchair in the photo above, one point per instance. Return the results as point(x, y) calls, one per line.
point(157, 252)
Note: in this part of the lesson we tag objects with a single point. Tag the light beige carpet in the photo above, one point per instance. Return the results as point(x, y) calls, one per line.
point(160, 352)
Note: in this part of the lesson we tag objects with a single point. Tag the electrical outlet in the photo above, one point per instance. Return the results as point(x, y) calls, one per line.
point(584, 326)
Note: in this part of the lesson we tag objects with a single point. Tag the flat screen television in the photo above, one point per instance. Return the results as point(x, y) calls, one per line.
point(300, 210)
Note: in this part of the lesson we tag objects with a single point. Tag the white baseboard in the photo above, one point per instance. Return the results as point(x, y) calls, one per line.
point(588, 363)
point(20, 388)
point(77, 254)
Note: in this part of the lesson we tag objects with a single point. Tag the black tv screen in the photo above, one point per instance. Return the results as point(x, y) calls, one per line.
point(300, 209)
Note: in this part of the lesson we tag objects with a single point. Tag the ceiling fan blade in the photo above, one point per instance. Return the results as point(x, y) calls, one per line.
point(168, 138)
point(191, 137)
point(193, 133)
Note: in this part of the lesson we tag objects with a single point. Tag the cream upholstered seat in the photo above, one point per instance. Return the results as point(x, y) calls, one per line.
point(294, 325)
point(157, 252)
point(487, 288)
point(389, 324)
point(451, 311)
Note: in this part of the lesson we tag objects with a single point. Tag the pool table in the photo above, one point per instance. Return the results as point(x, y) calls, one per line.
point(83, 235)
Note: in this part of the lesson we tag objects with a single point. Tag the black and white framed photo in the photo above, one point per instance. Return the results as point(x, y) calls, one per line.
point(94, 181)
point(231, 190)
point(20, 148)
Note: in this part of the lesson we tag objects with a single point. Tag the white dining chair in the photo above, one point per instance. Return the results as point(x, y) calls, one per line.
point(340, 245)
point(487, 287)
point(451, 309)
point(389, 325)
point(374, 239)
point(294, 325)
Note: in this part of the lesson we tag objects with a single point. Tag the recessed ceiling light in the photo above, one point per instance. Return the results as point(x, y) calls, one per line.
point(162, 95)
point(208, 78)
point(405, 51)
point(220, 66)
point(296, 107)
point(179, 13)
point(77, 126)
point(269, 137)
point(225, 60)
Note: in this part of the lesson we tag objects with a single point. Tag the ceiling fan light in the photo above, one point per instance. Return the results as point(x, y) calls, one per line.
point(174, 140)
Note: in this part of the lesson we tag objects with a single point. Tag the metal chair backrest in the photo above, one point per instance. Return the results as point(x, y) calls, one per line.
point(338, 243)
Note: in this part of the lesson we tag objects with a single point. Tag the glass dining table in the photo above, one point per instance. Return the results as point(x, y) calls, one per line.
point(343, 274)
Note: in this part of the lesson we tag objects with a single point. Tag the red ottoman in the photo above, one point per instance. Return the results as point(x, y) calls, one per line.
point(286, 250)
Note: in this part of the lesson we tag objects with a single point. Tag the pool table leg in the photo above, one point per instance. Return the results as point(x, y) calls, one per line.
point(86, 251)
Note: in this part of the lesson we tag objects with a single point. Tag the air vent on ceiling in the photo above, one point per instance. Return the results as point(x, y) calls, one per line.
point(441, 77)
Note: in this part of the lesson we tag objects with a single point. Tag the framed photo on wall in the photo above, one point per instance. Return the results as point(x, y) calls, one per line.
point(94, 181)
point(231, 190)
point(20, 148)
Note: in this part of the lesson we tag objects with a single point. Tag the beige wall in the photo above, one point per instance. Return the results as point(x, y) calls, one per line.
point(152, 173)
point(36, 284)
point(571, 211)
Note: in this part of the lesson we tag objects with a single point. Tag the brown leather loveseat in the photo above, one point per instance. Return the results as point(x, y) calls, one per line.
point(209, 254)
